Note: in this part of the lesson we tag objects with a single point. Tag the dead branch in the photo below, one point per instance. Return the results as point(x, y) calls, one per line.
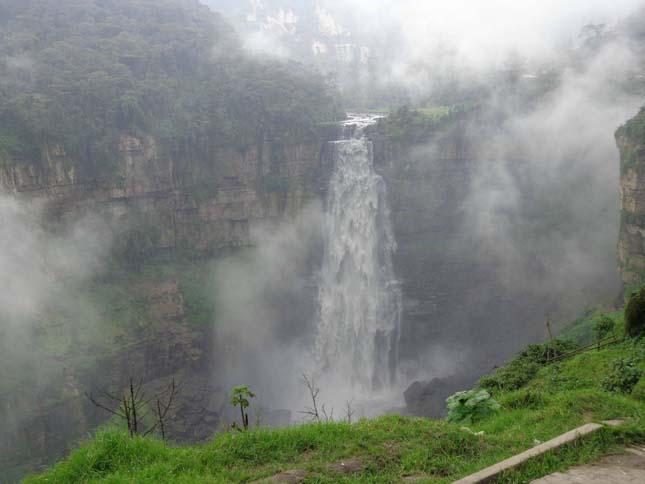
point(349, 412)
point(314, 391)
point(133, 407)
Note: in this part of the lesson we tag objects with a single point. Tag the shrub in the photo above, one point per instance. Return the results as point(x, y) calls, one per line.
point(623, 377)
point(639, 390)
point(635, 315)
point(525, 366)
point(604, 327)
point(471, 406)
point(240, 397)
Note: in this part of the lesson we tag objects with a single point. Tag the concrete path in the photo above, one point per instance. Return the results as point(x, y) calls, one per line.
point(616, 469)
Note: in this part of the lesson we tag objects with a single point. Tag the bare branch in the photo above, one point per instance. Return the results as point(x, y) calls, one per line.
point(103, 407)
point(349, 412)
point(314, 391)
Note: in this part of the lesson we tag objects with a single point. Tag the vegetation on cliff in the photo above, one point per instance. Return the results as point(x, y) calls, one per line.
point(548, 400)
point(631, 139)
point(77, 74)
point(418, 125)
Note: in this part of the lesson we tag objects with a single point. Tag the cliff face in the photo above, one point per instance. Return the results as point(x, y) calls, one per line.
point(198, 201)
point(631, 245)
point(459, 317)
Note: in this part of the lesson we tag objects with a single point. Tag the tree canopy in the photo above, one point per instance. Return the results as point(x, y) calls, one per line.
point(79, 73)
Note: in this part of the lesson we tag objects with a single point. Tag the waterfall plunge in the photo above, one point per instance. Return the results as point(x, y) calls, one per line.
point(359, 299)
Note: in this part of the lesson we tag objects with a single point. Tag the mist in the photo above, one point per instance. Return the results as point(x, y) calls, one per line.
point(44, 312)
point(265, 301)
point(541, 208)
point(545, 199)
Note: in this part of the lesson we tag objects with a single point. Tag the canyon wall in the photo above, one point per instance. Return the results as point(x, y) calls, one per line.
point(154, 200)
point(631, 245)
point(460, 317)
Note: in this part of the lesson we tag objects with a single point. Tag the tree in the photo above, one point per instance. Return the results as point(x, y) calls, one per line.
point(240, 398)
point(603, 328)
point(313, 412)
point(135, 409)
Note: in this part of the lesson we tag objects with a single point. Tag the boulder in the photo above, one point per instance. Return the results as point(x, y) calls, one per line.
point(428, 399)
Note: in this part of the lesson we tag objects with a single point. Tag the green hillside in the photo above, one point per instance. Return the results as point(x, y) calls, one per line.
point(538, 402)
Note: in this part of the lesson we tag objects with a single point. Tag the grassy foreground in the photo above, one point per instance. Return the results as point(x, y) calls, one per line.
point(542, 403)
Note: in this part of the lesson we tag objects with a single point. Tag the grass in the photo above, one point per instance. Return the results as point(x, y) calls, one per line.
point(552, 400)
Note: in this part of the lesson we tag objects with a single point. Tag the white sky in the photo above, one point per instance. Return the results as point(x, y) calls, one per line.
point(484, 30)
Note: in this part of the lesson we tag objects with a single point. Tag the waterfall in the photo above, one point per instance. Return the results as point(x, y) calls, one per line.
point(359, 299)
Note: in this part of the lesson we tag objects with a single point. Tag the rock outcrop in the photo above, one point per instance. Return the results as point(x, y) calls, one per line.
point(631, 245)
point(154, 200)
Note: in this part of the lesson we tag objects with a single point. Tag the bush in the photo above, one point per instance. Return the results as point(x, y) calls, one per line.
point(624, 376)
point(604, 327)
point(525, 366)
point(635, 315)
point(639, 390)
point(471, 406)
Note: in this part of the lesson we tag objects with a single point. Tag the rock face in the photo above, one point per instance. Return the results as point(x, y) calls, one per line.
point(631, 245)
point(455, 309)
point(155, 200)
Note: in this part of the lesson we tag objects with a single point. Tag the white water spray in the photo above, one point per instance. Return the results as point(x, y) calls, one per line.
point(359, 298)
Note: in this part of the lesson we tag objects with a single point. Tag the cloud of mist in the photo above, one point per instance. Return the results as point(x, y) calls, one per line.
point(483, 32)
point(265, 305)
point(34, 265)
point(544, 202)
point(42, 307)
point(262, 44)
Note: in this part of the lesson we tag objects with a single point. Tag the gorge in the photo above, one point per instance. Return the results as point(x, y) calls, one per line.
point(177, 206)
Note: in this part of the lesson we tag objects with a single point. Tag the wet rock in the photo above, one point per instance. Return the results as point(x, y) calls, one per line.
point(428, 399)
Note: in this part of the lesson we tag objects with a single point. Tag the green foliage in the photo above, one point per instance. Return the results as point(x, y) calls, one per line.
point(407, 125)
point(524, 398)
point(240, 398)
point(169, 68)
point(471, 406)
point(624, 376)
point(604, 327)
point(526, 365)
point(638, 392)
point(634, 129)
point(631, 138)
point(635, 314)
